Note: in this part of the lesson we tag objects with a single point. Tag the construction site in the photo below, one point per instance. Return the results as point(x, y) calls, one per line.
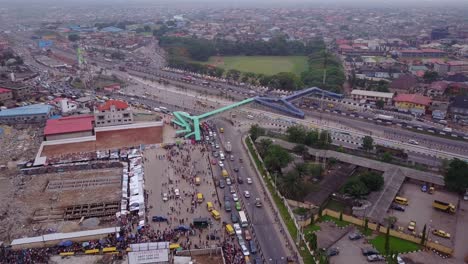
point(59, 202)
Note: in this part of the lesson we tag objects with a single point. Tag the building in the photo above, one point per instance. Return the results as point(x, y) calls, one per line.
point(404, 83)
point(437, 88)
point(5, 94)
point(372, 96)
point(413, 103)
point(421, 53)
point(443, 68)
point(439, 110)
point(20, 92)
point(458, 109)
point(113, 113)
point(67, 106)
point(439, 33)
point(26, 114)
point(155, 252)
point(69, 127)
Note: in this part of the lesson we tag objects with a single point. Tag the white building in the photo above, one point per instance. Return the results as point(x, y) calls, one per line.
point(373, 96)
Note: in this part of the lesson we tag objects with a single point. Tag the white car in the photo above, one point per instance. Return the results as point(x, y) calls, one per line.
point(238, 229)
point(234, 197)
point(228, 181)
point(249, 180)
point(165, 197)
point(246, 194)
point(221, 164)
point(217, 146)
point(412, 141)
point(177, 193)
point(245, 250)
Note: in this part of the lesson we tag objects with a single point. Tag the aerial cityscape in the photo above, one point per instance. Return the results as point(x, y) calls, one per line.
point(217, 132)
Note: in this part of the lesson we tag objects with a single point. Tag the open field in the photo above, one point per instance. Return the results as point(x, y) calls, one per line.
point(268, 65)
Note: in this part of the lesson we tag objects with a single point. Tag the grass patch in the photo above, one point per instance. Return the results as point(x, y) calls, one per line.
point(336, 220)
point(305, 254)
point(311, 229)
point(366, 233)
point(397, 245)
point(335, 206)
point(268, 65)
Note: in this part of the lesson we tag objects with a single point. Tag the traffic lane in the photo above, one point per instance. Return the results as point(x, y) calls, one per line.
point(267, 230)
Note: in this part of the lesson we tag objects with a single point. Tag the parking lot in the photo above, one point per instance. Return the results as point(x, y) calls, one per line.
point(350, 251)
point(421, 211)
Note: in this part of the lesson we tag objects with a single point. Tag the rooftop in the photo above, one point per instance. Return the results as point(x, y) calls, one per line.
point(4, 90)
point(35, 109)
point(460, 102)
point(372, 93)
point(118, 105)
point(69, 125)
point(413, 98)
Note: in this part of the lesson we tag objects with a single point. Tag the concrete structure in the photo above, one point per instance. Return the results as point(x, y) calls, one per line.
point(372, 96)
point(26, 114)
point(439, 110)
point(67, 106)
point(156, 252)
point(413, 103)
point(113, 113)
point(20, 92)
point(443, 68)
point(422, 53)
point(69, 127)
point(5, 94)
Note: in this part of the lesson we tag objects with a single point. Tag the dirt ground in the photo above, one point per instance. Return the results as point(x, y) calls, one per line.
point(101, 259)
point(23, 195)
point(109, 140)
point(19, 142)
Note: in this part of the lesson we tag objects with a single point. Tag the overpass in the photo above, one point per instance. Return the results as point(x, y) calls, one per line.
point(191, 124)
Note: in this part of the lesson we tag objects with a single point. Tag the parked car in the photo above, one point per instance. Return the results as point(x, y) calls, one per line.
point(240, 180)
point(412, 226)
point(375, 257)
point(369, 251)
point(238, 206)
point(234, 197)
point(397, 207)
point(236, 169)
point(258, 202)
point(440, 233)
point(228, 181)
point(245, 250)
point(355, 236)
point(232, 189)
point(238, 229)
point(165, 197)
point(234, 217)
point(333, 251)
point(221, 184)
point(247, 235)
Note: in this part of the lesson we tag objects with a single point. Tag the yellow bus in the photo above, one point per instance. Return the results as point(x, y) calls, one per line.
point(230, 229)
point(109, 249)
point(215, 214)
point(174, 246)
point(199, 197)
point(67, 254)
point(401, 200)
point(92, 251)
point(209, 206)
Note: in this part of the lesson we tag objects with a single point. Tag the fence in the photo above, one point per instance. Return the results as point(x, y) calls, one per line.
point(394, 233)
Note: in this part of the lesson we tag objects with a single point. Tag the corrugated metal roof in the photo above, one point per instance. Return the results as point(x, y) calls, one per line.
point(35, 109)
point(372, 93)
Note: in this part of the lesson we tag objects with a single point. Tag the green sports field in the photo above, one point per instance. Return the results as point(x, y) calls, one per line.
point(268, 65)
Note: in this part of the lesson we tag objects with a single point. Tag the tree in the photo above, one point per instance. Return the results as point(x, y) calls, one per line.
point(372, 180)
point(276, 158)
point(324, 138)
point(456, 178)
point(387, 241)
point(341, 216)
point(380, 104)
point(423, 238)
point(311, 138)
point(356, 188)
point(313, 241)
point(300, 149)
point(263, 146)
point(233, 74)
point(147, 28)
point(387, 157)
point(367, 143)
point(256, 131)
point(73, 37)
point(296, 134)
point(430, 76)
point(366, 225)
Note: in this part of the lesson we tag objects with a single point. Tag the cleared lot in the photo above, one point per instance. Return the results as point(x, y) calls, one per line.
point(420, 210)
point(350, 251)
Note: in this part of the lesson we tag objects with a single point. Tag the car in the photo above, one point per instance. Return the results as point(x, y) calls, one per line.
point(221, 164)
point(236, 169)
point(217, 146)
point(228, 181)
point(234, 197)
point(221, 184)
point(241, 160)
point(159, 219)
point(400, 260)
point(240, 239)
point(412, 226)
point(246, 194)
point(258, 202)
point(245, 250)
point(355, 236)
point(182, 228)
point(215, 154)
point(440, 233)
point(240, 180)
point(238, 206)
point(207, 138)
point(397, 207)
point(237, 228)
point(413, 142)
point(375, 257)
point(177, 193)
point(234, 217)
point(424, 188)
point(165, 197)
point(249, 180)
point(227, 206)
point(231, 158)
point(333, 251)
point(247, 235)
point(214, 134)
point(369, 251)
point(232, 189)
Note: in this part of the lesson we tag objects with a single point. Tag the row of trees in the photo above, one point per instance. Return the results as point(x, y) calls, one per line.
point(324, 71)
point(301, 135)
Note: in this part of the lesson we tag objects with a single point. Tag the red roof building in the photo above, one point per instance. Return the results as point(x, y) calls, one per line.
point(69, 127)
point(5, 94)
point(413, 98)
point(119, 105)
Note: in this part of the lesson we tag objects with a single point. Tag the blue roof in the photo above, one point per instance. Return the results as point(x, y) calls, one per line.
point(111, 29)
point(36, 109)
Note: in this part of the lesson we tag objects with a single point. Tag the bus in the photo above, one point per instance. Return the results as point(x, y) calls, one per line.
point(243, 219)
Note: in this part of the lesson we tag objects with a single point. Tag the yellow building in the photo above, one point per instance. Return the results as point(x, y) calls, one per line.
point(413, 103)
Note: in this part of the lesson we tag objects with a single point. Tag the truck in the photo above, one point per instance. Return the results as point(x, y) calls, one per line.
point(228, 147)
point(443, 206)
point(384, 117)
